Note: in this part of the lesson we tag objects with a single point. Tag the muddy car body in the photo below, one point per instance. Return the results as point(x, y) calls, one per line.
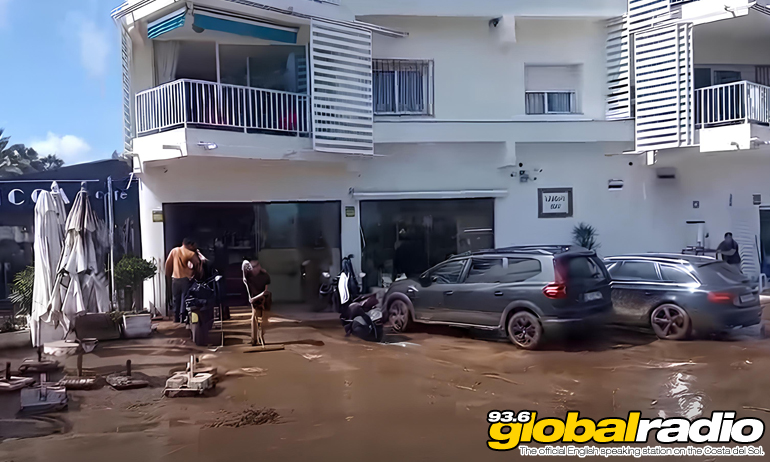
point(522, 291)
point(681, 295)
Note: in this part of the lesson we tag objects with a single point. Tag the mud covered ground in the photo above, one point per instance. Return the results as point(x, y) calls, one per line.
point(421, 396)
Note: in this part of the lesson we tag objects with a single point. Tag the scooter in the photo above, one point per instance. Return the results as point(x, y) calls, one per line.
point(363, 318)
point(342, 289)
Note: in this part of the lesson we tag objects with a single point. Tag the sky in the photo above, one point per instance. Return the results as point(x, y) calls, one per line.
point(60, 87)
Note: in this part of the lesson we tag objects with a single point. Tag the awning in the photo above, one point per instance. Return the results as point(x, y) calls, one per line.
point(452, 194)
point(231, 24)
point(167, 23)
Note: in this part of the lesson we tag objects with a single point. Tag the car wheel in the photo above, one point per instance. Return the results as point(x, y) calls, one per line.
point(398, 313)
point(525, 331)
point(670, 322)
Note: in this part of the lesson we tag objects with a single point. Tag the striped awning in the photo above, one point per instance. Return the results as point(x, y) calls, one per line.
point(236, 24)
point(167, 23)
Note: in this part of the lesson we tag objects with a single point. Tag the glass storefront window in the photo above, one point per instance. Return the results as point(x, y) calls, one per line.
point(294, 241)
point(410, 236)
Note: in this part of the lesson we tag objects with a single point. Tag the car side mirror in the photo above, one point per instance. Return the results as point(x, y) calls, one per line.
point(425, 280)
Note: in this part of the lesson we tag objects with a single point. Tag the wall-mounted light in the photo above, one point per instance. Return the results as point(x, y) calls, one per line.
point(207, 146)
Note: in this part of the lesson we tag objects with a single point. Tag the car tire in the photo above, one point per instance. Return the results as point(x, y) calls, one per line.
point(399, 315)
point(670, 322)
point(525, 331)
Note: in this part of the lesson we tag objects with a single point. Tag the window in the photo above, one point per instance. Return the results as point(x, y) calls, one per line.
point(485, 270)
point(521, 269)
point(676, 275)
point(552, 89)
point(402, 87)
point(635, 271)
point(448, 273)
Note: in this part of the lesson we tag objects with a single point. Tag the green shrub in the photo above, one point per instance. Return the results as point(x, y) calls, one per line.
point(131, 271)
point(585, 236)
point(21, 291)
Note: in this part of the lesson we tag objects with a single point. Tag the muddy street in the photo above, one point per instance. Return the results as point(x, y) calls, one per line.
point(418, 396)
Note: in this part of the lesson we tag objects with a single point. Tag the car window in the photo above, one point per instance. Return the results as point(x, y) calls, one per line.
point(677, 275)
point(521, 269)
point(635, 271)
point(448, 273)
point(485, 270)
point(581, 268)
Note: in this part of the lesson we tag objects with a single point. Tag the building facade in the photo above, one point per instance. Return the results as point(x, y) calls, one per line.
point(400, 133)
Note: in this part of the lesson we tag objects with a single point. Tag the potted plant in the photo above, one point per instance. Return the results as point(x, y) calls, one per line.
point(585, 236)
point(130, 272)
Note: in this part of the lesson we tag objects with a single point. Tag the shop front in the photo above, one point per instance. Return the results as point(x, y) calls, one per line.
point(294, 241)
point(409, 236)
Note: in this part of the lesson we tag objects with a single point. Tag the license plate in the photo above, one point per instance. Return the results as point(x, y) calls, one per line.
point(747, 298)
point(591, 296)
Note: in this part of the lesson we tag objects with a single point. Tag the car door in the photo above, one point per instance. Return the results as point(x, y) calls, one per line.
point(439, 283)
point(635, 289)
point(472, 300)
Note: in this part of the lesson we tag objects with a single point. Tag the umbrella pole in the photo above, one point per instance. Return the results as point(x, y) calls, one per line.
point(111, 225)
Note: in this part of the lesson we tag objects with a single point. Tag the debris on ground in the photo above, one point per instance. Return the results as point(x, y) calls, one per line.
point(247, 418)
point(492, 375)
point(310, 357)
point(349, 418)
point(473, 388)
point(753, 408)
point(124, 381)
point(252, 371)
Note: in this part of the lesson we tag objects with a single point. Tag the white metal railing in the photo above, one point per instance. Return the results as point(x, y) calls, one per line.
point(207, 104)
point(732, 103)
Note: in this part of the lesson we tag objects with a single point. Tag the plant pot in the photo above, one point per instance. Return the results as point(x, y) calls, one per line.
point(98, 326)
point(137, 325)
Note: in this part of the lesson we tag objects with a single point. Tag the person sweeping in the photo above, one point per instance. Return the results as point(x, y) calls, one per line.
point(257, 281)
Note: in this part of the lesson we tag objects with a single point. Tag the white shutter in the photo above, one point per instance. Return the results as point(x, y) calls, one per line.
point(618, 69)
point(663, 73)
point(645, 13)
point(128, 133)
point(552, 78)
point(341, 85)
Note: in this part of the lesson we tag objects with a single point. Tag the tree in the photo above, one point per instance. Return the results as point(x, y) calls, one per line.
point(18, 159)
point(51, 162)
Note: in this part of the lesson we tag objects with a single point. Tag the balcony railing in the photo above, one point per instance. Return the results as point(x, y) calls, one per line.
point(732, 103)
point(197, 103)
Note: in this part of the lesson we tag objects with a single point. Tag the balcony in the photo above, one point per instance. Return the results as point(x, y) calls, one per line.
point(732, 103)
point(201, 104)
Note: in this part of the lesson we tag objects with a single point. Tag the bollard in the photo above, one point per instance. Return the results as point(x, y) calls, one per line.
point(8, 372)
point(80, 363)
point(128, 368)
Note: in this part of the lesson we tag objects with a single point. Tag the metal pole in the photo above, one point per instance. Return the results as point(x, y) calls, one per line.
point(111, 225)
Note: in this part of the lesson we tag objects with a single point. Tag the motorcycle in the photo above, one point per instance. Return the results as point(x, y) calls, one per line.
point(342, 289)
point(363, 318)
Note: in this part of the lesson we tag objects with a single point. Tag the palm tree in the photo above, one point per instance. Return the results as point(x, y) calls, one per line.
point(51, 162)
point(18, 159)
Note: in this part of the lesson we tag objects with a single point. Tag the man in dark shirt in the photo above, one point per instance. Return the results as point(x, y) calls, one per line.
point(728, 249)
point(257, 281)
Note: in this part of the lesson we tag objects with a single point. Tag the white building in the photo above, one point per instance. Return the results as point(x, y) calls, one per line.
point(301, 131)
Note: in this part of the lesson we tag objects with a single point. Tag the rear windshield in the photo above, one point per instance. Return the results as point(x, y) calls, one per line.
point(581, 268)
point(721, 273)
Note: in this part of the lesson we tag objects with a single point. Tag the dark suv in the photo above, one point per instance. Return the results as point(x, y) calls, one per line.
point(523, 291)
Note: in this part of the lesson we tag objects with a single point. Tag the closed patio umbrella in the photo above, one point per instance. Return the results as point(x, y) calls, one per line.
point(50, 216)
point(81, 284)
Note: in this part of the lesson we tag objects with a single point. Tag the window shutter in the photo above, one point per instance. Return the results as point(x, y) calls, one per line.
point(645, 13)
point(618, 69)
point(552, 78)
point(125, 52)
point(341, 79)
point(663, 73)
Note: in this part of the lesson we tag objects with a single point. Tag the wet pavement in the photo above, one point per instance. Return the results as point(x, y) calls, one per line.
point(419, 396)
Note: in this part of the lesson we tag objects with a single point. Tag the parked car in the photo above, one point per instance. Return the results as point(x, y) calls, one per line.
point(523, 291)
point(680, 295)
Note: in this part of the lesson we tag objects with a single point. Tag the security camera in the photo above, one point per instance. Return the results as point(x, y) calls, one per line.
point(494, 22)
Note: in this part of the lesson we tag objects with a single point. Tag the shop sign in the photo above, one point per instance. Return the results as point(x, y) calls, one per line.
point(18, 195)
point(157, 216)
point(350, 211)
point(554, 202)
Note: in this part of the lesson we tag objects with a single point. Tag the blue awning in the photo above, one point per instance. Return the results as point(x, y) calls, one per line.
point(248, 28)
point(167, 23)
